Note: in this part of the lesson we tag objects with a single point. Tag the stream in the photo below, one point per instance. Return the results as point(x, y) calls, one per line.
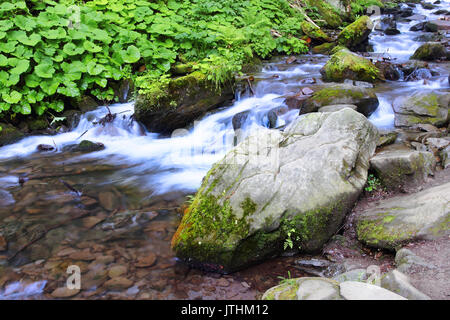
point(148, 178)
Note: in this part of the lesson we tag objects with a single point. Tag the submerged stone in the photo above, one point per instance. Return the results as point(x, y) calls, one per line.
point(85, 146)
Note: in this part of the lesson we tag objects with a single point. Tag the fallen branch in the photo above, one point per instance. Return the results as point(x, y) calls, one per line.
point(299, 8)
point(82, 134)
point(71, 188)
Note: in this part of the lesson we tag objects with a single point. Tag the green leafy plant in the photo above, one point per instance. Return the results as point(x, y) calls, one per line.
point(373, 183)
point(48, 57)
point(288, 280)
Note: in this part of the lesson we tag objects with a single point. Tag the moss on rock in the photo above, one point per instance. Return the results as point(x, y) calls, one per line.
point(431, 51)
point(9, 134)
point(174, 103)
point(324, 48)
point(422, 108)
point(314, 32)
point(365, 99)
point(356, 33)
point(347, 65)
point(328, 13)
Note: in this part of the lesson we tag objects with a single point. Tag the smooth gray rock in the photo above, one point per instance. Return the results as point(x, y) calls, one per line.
point(307, 288)
point(445, 157)
point(418, 216)
point(337, 107)
point(398, 166)
point(353, 290)
point(305, 178)
point(398, 282)
point(318, 289)
point(352, 275)
point(422, 108)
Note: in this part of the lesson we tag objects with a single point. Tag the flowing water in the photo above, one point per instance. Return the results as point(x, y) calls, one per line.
point(129, 194)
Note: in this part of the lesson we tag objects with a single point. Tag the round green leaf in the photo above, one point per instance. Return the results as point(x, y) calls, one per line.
point(44, 70)
point(72, 49)
point(32, 80)
point(94, 69)
point(3, 61)
point(131, 55)
point(49, 86)
point(13, 97)
point(21, 67)
point(8, 47)
point(91, 47)
point(5, 25)
point(32, 40)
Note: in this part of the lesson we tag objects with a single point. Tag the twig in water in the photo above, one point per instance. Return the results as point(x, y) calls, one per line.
point(82, 134)
point(71, 188)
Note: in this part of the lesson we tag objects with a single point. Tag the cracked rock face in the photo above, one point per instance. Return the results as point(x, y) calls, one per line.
point(275, 186)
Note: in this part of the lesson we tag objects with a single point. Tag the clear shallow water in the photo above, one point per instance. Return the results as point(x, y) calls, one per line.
point(148, 172)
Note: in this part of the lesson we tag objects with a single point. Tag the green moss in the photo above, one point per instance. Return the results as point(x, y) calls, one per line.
point(430, 51)
point(314, 32)
point(9, 134)
point(442, 227)
point(284, 291)
point(327, 95)
point(248, 206)
point(327, 12)
point(324, 48)
point(375, 232)
point(355, 33)
point(182, 68)
point(37, 124)
point(310, 228)
point(347, 65)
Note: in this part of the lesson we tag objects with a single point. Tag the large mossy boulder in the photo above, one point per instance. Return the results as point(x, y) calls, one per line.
point(431, 51)
point(275, 187)
point(356, 33)
point(400, 167)
point(422, 108)
point(364, 98)
point(314, 32)
point(392, 222)
point(345, 64)
point(176, 103)
point(9, 134)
